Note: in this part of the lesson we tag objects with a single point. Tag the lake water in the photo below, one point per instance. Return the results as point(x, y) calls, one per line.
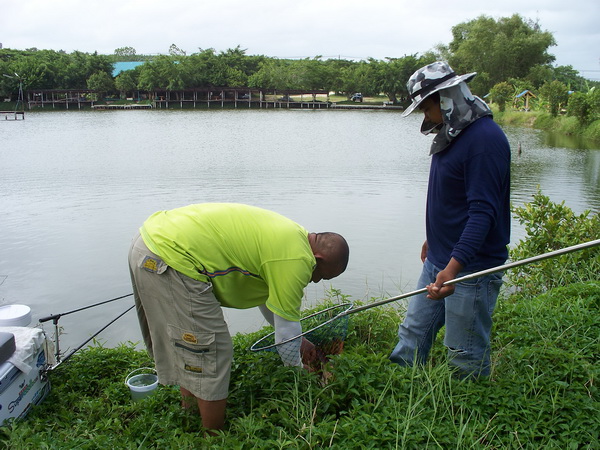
point(75, 186)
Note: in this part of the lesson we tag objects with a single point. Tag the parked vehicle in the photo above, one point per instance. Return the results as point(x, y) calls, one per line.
point(357, 97)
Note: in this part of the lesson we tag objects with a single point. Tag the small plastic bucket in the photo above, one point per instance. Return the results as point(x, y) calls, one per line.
point(143, 384)
point(15, 316)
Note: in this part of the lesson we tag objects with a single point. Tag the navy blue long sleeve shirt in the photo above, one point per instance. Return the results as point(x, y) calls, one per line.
point(468, 199)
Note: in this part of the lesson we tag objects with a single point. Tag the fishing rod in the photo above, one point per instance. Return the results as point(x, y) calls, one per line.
point(330, 319)
point(482, 273)
point(56, 317)
point(59, 361)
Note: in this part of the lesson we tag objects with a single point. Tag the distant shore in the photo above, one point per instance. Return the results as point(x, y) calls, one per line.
point(562, 124)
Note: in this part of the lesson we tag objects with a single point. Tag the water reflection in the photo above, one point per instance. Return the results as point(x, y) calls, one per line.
point(562, 173)
point(76, 185)
point(559, 140)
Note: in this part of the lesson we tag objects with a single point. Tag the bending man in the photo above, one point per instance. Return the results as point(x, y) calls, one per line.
point(187, 263)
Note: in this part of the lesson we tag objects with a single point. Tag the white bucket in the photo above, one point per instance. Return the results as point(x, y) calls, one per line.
point(15, 315)
point(143, 384)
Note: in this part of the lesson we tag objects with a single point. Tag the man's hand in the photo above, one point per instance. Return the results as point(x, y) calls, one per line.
point(308, 353)
point(424, 249)
point(435, 291)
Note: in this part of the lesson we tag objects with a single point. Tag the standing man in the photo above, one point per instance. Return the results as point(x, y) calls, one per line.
point(187, 263)
point(467, 223)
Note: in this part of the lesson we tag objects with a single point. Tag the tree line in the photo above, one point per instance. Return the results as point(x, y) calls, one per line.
point(510, 50)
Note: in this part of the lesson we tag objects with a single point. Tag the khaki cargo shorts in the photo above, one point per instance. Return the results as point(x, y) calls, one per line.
point(182, 325)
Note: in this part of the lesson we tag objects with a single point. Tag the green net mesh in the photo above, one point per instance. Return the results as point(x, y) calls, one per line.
point(325, 330)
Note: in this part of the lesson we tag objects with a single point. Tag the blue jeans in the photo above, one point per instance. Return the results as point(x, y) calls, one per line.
point(467, 315)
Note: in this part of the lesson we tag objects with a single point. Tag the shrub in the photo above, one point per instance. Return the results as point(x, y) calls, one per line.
point(545, 121)
point(594, 101)
point(592, 132)
point(551, 226)
point(502, 93)
point(570, 126)
point(579, 106)
point(554, 95)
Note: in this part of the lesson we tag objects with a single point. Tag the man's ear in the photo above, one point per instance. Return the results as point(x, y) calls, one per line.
point(320, 259)
point(318, 256)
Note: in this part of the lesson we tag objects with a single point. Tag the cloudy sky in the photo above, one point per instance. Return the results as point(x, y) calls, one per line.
point(283, 28)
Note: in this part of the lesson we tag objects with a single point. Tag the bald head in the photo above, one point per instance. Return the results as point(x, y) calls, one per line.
point(331, 252)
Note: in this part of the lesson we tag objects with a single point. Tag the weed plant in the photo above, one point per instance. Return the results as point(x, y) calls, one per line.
point(552, 226)
point(542, 392)
point(592, 132)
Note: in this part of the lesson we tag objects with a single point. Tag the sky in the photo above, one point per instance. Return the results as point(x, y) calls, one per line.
point(351, 29)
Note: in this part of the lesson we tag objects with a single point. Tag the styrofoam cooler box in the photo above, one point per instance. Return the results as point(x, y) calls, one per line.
point(19, 391)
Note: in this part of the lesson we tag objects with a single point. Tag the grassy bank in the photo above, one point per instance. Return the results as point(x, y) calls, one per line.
point(542, 392)
point(562, 124)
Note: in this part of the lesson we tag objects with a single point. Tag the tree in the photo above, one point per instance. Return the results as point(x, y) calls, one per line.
point(498, 50)
point(585, 106)
point(594, 102)
point(126, 82)
point(78, 67)
point(198, 69)
point(237, 59)
point(570, 77)
point(175, 51)
point(161, 73)
point(361, 77)
point(125, 54)
point(102, 83)
point(39, 69)
point(555, 94)
point(334, 73)
point(276, 74)
point(502, 93)
point(391, 76)
point(539, 74)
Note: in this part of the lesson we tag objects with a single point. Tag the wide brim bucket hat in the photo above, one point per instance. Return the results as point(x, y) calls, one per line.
point(432, 78)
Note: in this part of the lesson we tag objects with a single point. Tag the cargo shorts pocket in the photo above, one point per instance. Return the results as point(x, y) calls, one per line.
point(152, 264)
point(195, 352)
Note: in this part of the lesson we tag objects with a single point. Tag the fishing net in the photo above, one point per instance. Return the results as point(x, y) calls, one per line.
point(325, 332)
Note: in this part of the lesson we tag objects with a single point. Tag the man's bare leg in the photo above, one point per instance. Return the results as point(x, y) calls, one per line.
point(188, 400)
point(211, 412)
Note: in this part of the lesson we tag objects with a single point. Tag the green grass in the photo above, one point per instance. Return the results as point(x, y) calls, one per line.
point(561, 124)
point(542, 392)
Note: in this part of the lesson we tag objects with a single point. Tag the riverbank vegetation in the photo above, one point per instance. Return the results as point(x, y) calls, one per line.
point(542, 392)
point(562, 124)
